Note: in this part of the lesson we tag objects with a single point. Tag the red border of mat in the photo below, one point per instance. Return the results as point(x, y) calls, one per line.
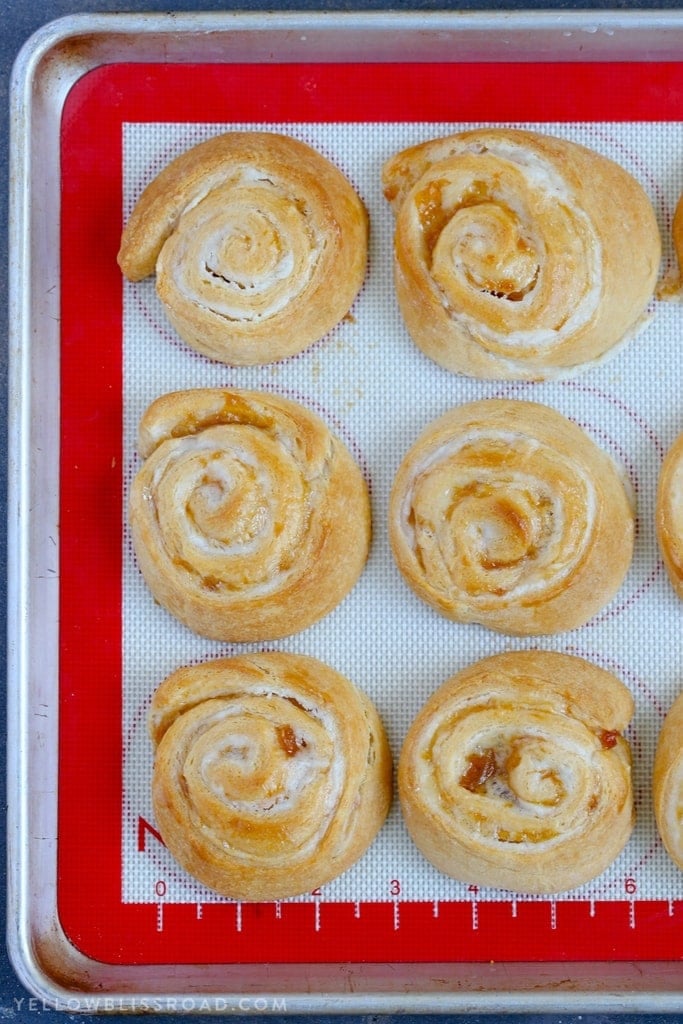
point(90, 740)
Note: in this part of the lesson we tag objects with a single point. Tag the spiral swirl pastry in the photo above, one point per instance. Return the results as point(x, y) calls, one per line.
point(250, 520)
point(515, 773)
point(669, 514)
point(507, 514)
point(671, 288)
point(259, 245)
point(667, 782)
point(519, 255)
point(272, 773)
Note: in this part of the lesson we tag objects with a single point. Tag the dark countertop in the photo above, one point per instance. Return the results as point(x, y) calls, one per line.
point(18, 20)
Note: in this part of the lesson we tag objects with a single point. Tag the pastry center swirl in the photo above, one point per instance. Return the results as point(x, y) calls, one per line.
point(513, 257)
point(245, 251)
point(515, 774)
point(494, 517)
point(227, 505)
point(262, 775)
point(233, 506)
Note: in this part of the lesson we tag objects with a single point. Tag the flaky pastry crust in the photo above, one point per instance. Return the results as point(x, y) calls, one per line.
point(272, 773)
point(669, 514)
point(519, 255)
point(506, 513)
point(667, 782)
point(258, 242)
point(250, 519)
point(515, 773)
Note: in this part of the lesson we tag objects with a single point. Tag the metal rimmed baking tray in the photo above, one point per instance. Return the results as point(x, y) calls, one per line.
point(69, 953)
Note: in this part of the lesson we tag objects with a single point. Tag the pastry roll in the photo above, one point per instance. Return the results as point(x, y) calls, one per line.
point(272, 773)
point(506, 513)
point(670, 288)
point(250, 520)
point(675, 289)
point(519, 255)
point(259, 244)
point(677, 232)
point(667, 782)
point(669, 514)
point(515, 773)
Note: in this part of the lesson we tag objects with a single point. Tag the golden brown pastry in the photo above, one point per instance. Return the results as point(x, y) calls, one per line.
point(272, 773)
point(667, 782)
point(515, 774)
point(519, 255)
point(259, 244)
point(669, 514)
point(250, 519)
point(670, 287)
point(677, 232)
point(506, 513)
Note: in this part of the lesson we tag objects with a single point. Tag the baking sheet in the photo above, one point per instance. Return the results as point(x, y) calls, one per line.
point(345, 378)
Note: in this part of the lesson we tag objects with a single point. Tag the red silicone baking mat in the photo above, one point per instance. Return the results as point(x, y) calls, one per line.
point(93, 828)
